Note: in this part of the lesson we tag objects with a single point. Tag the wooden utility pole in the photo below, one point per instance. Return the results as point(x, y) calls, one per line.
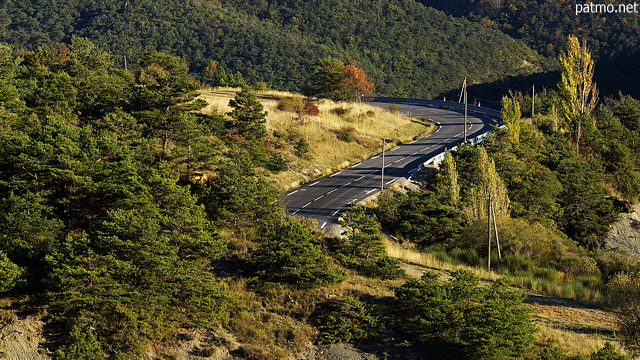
point(465, 113)
point(495, 226)
point(533, 101)
point(489, 232)
point(382, 171)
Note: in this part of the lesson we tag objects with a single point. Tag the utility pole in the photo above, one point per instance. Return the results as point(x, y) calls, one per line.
point(489, 232)
point(382, 171)
point(464, 87)
point(533, 101)
point(495, 226)
point(465, 114)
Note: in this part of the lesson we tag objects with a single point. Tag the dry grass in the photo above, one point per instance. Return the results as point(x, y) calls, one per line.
point(571, 342)
point(365, 123)
point(428, 261)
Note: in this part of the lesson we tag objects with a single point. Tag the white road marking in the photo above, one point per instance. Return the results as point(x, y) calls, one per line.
point(332, 191)
point(390, 181)
point(295, 212)
point(358, 164)
point(375, 157)
point(335, 213)
point(314, 183)
point(394, 149)
point(322, 227)
point(319, 197)
point(372, 190)
point(336, 174)
point(306, 205)
point(293, 192)
point(360, 178)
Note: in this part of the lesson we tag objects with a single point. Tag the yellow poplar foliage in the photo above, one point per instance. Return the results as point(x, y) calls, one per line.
point(447, 186)
point(511, 118)
point(577, 89)
point(490, 184)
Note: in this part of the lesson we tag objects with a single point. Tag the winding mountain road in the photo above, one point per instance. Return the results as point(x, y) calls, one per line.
point(325, 198)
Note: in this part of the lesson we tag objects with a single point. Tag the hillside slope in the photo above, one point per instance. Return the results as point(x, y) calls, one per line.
point(405, 47)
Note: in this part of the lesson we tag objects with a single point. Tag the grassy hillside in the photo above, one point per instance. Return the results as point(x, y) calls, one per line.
point(405, 47)
point(364, 124)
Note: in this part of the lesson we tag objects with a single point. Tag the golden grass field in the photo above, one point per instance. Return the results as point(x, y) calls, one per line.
point(365, 123)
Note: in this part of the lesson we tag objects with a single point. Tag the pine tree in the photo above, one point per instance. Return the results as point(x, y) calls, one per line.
point(248, 117)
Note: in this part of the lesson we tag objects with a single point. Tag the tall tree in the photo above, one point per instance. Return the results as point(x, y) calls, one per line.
point(331, 78)
point(511, 117)
point(490, 185)
point(578, 92)
point(446, 185)
point(248, 117)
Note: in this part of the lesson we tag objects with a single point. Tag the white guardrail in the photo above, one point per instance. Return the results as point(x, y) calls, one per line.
point(443, 104)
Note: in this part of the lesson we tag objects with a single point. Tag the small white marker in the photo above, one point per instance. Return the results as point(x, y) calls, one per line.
point(293, 192)
point(314, 183)
point(335, 213)
point(375, 157)
point(390, 181)
point(370, 191)
point(336, 174)
point(356, 165)
point(295, 212)
point(322, 227)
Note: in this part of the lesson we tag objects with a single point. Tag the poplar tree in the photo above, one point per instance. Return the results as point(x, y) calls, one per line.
point(489, 183)
point(447, 186)
point(511, 118)
point(578, 92)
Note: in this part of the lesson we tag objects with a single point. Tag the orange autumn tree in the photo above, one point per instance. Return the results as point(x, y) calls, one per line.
point(331, 78)
point(355, 80)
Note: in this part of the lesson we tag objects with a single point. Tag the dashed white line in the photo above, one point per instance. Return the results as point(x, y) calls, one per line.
point(347, 184)
point(335, 213)
point(375, 157)
point(293, 192)
point(295, 212)
point(319, 197)
point(336, 174)
point(314, 183)
point(323, 225)
point(394, 149)
point(390, 181)
point(309, 203)
point(360, 178)
point(358, 164)
point(331, 191)
point(372, 190)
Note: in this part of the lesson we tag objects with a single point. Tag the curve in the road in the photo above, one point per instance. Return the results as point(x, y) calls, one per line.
point(325, 198)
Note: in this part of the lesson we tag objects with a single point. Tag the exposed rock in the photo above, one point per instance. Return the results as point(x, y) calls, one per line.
point(625, 234)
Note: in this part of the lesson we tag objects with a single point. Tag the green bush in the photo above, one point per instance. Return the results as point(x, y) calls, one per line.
point(345, 136)
point(346, 320)
point(302, 147)
point(341, 111)
point(473, 321)
point(277, 163)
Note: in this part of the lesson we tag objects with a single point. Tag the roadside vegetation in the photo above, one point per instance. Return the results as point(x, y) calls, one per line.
point(137, 215)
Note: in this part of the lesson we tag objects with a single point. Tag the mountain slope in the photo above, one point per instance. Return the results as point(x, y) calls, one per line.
point(405, 47)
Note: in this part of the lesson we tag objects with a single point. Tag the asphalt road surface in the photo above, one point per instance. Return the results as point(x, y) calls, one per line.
point(325, 198)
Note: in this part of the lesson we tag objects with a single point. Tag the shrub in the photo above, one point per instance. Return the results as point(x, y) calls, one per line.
point(345, 136)
point(477, 322)
point(310, 108)
point(346, 320)
point(277, 163)
point(292, 104)
point(341, 111)
point(302, 147)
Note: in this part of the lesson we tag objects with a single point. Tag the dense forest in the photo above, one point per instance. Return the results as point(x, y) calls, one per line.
point(405, 47)
point(135, 221)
